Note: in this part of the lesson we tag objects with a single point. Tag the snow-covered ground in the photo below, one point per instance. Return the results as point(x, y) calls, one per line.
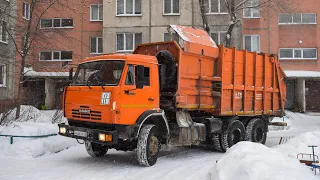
point(62, 158)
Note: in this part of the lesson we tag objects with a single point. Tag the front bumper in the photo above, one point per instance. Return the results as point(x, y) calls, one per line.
point(87, 134)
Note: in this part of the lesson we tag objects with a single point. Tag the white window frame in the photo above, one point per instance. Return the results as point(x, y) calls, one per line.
point(301, 58)
point(292, 19)
point(25, 10)
point(52, 27)
point(4, 75)
point(219, 36)
point(171, 13)
point(219, 8)
point(97, 45)
point(98, 12)
point(244, 38)
point(125, 43)
point(133, 6)
point(1, 41)
point(52, 59)
point(251, 12)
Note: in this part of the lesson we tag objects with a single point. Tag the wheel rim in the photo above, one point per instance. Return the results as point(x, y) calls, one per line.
point(236, 136)
point(153, 145)
point(259, 134)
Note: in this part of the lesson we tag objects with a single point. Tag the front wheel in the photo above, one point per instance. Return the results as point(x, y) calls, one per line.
point(148, 145)
point(95, 150)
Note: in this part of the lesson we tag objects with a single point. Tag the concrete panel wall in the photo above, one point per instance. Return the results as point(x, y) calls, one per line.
point(300, 95)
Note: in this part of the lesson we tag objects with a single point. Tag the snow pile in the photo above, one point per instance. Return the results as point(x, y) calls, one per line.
point(27, 113)
point(36, 147)
point(254, 161)
point(300, 143)
point(32, 122)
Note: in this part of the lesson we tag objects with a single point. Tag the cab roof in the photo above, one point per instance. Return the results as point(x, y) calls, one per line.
point(126, 57)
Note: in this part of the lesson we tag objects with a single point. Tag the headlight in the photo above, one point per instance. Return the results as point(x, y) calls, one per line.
point(63, 130)
point(102, 137)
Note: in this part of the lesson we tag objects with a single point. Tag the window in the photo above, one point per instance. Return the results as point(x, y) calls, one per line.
point(128, 7)
point(26, 10)
point(252, 43)
point(3, 32)
point(128, 41)
point(215, 6)
point(96, 12)
point(130, 75)
point(219, 37)
point(2, 75)
point(175, 37)
point(251, 9)
point(146, 76)
point(56, 56)
point(171, 7)
point(298, 53)
point(56, 23)
point(286, 18)
point(96, 45)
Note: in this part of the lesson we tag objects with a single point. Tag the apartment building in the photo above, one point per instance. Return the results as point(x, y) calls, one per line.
point(67, 32)
point(131, 22)
point(291, 30)
point(7, 50)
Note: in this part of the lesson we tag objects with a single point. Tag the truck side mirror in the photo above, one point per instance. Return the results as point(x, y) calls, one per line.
point(70, 74)
point(140, 77)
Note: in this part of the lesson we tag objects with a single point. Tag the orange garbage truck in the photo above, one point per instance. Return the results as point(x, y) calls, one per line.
point(184, 92)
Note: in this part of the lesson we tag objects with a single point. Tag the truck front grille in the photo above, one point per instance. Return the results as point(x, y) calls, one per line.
point(86, 114)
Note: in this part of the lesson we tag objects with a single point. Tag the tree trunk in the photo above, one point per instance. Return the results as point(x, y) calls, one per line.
point(204, 17)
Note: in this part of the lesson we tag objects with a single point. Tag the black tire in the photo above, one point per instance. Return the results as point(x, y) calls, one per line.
point(148, 145)
point(95, 150)
point(235, 133)
point(257, 131)
point(216, 142)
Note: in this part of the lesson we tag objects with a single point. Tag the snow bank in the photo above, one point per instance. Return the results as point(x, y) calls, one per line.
point(36, 147)
point(254, 161)
point(32, 122)
point(300, 143)
point(27, 113)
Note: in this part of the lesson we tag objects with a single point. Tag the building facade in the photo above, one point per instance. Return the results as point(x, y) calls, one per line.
point(130, 22)
point(290, 29)
point(7, 49)
point(68, 31)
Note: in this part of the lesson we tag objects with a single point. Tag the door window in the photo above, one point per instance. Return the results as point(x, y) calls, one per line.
point(130, 75)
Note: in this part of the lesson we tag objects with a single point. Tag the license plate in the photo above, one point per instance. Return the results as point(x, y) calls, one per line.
point(80, 133)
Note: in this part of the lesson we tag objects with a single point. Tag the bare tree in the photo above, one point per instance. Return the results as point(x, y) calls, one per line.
point(27, 35)
point(234, 8)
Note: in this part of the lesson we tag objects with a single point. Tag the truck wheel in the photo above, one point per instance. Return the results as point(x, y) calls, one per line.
point(95, 150)
point(148, 145)
point(234, 134)
point(256, 131)
point(216, 142)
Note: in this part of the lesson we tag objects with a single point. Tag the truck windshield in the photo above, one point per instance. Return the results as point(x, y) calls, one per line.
point(97, 73)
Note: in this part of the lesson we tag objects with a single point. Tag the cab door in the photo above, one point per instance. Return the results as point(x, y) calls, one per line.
point(135, 101)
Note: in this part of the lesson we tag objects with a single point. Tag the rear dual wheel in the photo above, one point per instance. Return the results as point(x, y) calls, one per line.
point(235, 133)
point(256, 131)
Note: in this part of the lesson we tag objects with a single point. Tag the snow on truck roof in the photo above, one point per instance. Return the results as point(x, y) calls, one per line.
point(191, 34)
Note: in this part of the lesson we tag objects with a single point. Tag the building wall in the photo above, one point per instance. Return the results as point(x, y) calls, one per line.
point(75, 39)
point(7, 49)
point(153, 22)
point(274, 36)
